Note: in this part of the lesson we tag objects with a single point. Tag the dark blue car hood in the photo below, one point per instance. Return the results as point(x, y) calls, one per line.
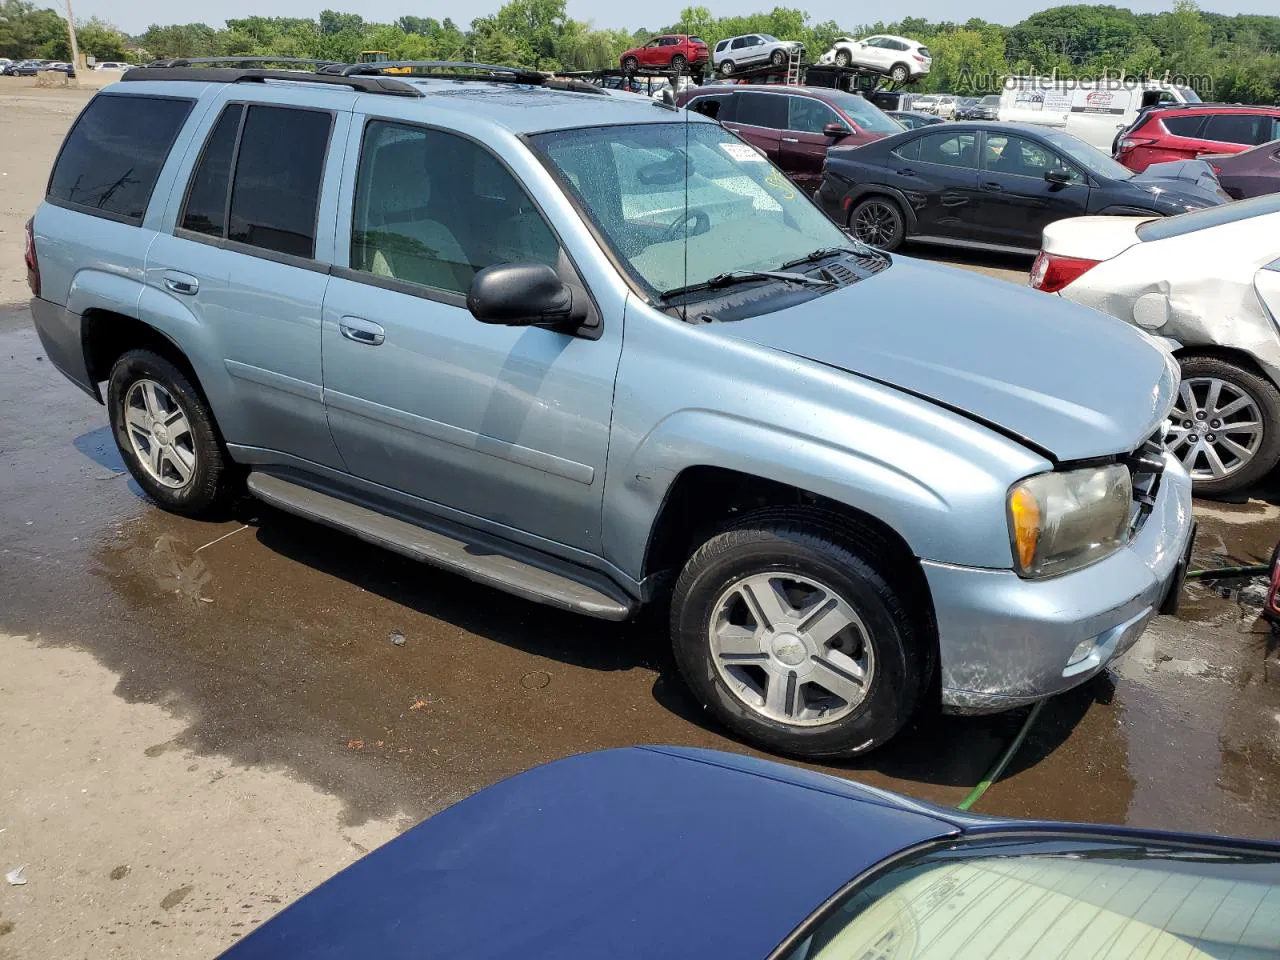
point(643, 852)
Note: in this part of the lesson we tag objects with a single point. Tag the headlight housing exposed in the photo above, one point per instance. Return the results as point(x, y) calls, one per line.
point(1059, 522)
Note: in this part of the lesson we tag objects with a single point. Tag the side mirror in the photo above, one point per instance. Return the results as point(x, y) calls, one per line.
point(1057, 177)
point(836, 131)
point(523, 295)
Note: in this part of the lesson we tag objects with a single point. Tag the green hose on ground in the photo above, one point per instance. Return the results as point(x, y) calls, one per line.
point(994, 773)
point(1257, 569)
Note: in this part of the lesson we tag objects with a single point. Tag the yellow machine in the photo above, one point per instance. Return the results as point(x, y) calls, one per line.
point(381, 56)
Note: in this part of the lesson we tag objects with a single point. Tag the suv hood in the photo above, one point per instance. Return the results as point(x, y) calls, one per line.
point(1062, 378)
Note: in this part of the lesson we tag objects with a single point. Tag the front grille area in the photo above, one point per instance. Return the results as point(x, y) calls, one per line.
point(1146, 466)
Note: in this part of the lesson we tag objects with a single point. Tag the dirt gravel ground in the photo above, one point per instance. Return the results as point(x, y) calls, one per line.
point(203, 720)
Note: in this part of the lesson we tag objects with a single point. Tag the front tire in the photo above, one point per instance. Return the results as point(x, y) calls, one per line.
point(777, 58)
point(167, 436)
point(1225, 426)
point(630, 64)
point(795, 640)
point(878, 222)
point(843, 59)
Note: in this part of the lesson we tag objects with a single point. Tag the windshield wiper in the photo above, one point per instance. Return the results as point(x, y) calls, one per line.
point(822, 253)
point(743, 276)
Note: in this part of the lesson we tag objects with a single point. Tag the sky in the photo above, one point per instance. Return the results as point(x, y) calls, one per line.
point(134, 16)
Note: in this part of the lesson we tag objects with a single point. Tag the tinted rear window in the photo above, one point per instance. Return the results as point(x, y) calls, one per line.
point(1250, 129)
point(206, 208)
point(762, 110)
point(276, 193)
point(113, 155)
point(1209, 217)
point(1183, 126)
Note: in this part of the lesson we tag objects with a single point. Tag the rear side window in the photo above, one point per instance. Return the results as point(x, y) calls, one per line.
point(206, 208)
point(1247, 128)
point(952, 150)
point(762, 110)
point(1183, 126)
point(271, 200)
point(276, 192)
point(113, 155)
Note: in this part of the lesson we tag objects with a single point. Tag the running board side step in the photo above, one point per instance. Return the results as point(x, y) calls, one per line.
point(482, 558)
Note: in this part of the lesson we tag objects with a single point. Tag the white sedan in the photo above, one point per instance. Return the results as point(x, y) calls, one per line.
point(1207, 284)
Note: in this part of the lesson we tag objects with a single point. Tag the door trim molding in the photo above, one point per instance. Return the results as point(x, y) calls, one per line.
point(273, 380)
point(460, 437)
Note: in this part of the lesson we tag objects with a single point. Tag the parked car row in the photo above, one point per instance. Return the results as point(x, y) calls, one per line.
point(871, 525)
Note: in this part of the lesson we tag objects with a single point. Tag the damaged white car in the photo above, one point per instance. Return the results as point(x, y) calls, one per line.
point(1206, 283)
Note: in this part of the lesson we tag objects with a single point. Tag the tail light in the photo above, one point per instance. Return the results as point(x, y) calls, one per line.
point(29, 255)
point(917, 58)
point(1051, 272)
point(1129, 143)
point(1271, 609)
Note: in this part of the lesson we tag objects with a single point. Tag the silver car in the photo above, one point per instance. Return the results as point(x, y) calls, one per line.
point(752, 50)
point(603, 355)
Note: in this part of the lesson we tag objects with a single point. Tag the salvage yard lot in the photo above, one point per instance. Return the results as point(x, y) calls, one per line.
point(203, 720)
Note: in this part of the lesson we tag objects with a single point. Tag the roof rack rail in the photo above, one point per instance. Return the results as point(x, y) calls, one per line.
point(192, 61)
point(479, 71)
point(384, 85)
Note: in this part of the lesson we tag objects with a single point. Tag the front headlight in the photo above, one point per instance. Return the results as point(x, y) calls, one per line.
point(1060, 522)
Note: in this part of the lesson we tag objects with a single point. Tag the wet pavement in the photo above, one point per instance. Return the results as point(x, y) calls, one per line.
point(275, 642)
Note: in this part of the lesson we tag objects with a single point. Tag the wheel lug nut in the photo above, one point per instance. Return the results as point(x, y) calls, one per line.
point(1210, 437)
point(1199, 414)
point(1188, 424)
point(1216, 424)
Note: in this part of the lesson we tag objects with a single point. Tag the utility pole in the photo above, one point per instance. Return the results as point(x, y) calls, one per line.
point(71, 29)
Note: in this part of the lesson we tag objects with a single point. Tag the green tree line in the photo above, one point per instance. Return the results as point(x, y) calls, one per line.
point(1233, 58)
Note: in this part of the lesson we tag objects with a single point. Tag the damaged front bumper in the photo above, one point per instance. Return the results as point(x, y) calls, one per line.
point(1005, 641)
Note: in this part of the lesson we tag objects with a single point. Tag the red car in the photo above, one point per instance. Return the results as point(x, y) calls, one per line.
point(793, 126)
point(675, 50)
point(1187, 132)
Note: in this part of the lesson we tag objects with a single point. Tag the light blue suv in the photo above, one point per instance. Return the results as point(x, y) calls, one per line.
point(600, 354)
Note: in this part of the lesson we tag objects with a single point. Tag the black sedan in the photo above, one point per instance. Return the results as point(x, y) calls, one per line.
point(911, 119)
point(995, 186)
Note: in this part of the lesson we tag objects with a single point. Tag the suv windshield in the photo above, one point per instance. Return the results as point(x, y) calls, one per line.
point(680, 203)
point(1057, 898)
point(1088, 156)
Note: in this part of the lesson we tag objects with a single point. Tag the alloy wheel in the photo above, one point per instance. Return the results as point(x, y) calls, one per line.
point(1215, 428)
point(159, 434)
point(875, 224)
point(791, 649)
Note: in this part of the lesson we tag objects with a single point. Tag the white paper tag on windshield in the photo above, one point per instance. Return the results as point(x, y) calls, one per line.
point(742, 152)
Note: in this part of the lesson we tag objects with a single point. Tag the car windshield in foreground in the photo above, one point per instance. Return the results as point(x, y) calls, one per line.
point(682, 203)
point(1069, 899)
point(1087, 155)
point(863, 112)
point(1165, 227)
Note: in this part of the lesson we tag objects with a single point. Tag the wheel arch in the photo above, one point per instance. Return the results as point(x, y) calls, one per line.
point(1232, 355)
point(862, 192)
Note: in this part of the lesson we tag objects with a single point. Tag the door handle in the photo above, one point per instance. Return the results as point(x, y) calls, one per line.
point(906, 172)
point(362, 331)
point(992, 186)
point(733, 129)
point(182, 283)
point(790, 140)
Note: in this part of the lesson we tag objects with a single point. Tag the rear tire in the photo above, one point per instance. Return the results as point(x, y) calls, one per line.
point(878, 222)
point(900, 73)
point(810, 582)
point(678, 62)
point(726, 68)
point(1230, 436)
point(167, 436)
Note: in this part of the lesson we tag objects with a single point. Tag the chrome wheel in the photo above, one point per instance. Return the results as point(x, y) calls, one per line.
point(843, 59)
point(875, 223)
point(726, 68)
point(1215, 428)
point(791, 649)
point(159, 434)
